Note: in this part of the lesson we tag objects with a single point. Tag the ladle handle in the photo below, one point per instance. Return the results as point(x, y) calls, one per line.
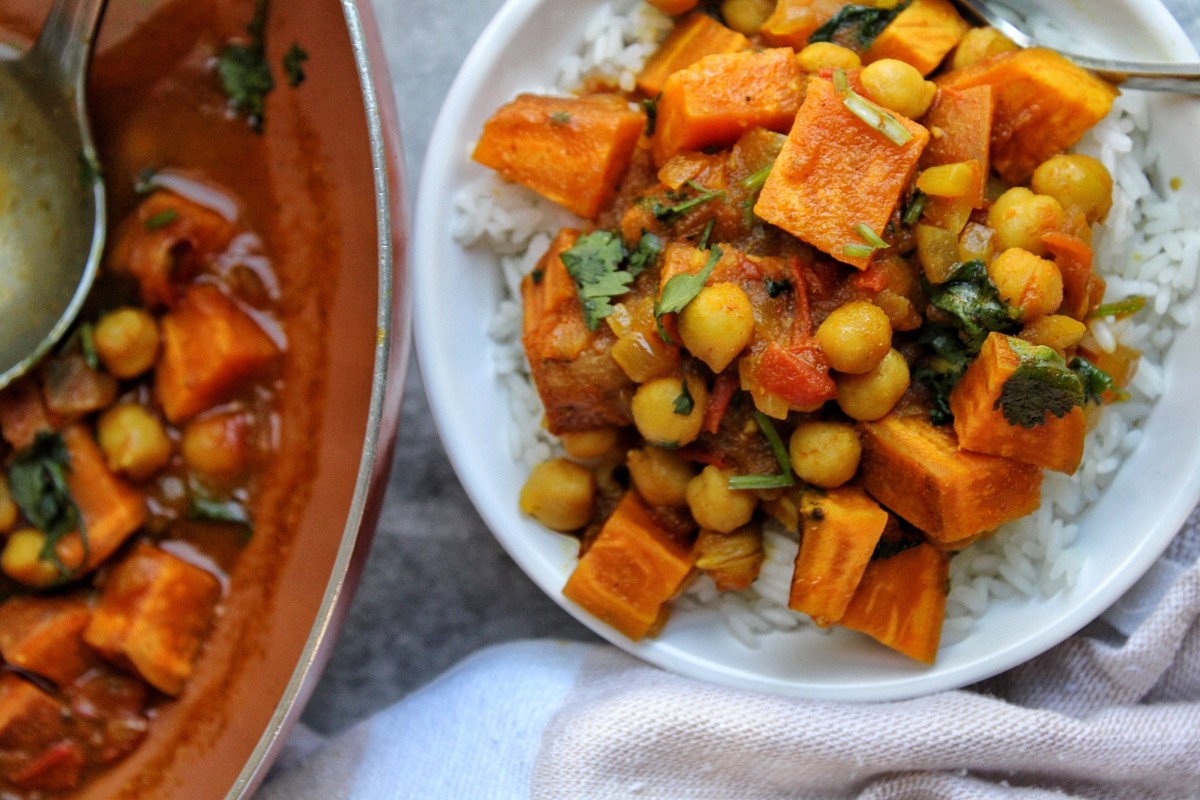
point(64, 45)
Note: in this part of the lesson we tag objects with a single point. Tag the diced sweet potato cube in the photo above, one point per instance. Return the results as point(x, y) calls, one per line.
point(918, 471)
point(841, 529)
point(572, 150)
point(922, 34)
point(960, 130)
point(1044, 105)
point(901, 601)
point(981, 426)
point(720, 97)
point(632, 568)
point(30, 719)
point(581, 386)
point(1082, 288)
point(153, 616)
point(793, 21)
point(23, 413)
point(111, 509)
point(211, 347)
point(691, 39)
point(836, 172)
point(45, 636)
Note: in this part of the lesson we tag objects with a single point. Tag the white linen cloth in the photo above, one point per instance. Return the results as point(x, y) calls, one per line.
point(1103, 716)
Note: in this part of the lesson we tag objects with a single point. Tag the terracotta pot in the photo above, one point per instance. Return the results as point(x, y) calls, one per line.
point(323, 184)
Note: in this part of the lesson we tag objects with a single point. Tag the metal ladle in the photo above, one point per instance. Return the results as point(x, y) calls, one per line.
point(52, 214)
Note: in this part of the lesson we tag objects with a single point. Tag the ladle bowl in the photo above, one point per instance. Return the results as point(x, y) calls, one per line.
point(52, 211)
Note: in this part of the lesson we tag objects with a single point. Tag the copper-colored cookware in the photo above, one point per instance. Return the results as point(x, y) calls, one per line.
point(323, 185)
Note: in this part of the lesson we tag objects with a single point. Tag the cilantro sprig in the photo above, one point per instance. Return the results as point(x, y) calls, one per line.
point(682, 289)
point(781, 480)
point(603, 268)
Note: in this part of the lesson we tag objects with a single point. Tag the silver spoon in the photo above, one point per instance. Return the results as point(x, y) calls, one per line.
point(1162, 76)
point(52, 214)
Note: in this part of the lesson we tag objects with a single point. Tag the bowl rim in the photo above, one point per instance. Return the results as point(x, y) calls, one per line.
point(392, 345)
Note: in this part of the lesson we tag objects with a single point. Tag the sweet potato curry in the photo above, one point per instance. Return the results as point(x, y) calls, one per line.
point(131, 455)
point(834, 272)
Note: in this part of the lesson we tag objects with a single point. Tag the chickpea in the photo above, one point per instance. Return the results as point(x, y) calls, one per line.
point(827, 55)
point(1020, 218)
point(660, 476)
point(22, 559)
point(133, 441)
point(873, 394)
point(717, 324)
point(1055, 331)
point(216, 445)
point(1076, 180)
point(9, 513)
point(746, 16)
point(825, 454)
point(717, 507)
point(855, 336)
point(978, 44)
point(663, 412)
point(126, 341)
point(1030, 283)
point(897, 85)
point(560, 494)
point(586, 445)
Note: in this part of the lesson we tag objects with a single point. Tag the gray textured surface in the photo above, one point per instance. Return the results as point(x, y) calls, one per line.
point(437, 585)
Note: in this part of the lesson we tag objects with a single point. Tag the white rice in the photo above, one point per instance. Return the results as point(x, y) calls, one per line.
point(1145, 248)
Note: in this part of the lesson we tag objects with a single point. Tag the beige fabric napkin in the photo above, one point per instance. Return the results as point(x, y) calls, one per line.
point(1101, 716)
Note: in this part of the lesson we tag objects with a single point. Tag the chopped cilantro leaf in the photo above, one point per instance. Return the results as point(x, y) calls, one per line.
point(1042, 384)
point(651, 108)
point(293, 65)
point(1119, 308)
point(666, 213)
point(594, 263)
point(684, 404)
point(244, 72)
point(160, 220)
point(37, 480)
point(856, 26)
point(973, 304)
point(560, 118)
point(682, 289)
point(646, 253)
point(777, 286)
point(784, 478)
point(1095, 380)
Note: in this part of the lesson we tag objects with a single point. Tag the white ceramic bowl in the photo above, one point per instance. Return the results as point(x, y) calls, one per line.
point(456, 293)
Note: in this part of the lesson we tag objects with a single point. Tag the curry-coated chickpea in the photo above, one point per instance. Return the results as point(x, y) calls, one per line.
point(1030, 283)
point(1076, 180)
point(22, 559)
point(714, 505)
point(1020, 218)
point(825, 454)
point(126, 341)
point(133, 440)
point(9, 513)
point(560, 494)
point(717, 324)
point(978, 44)
point(660, 476)
point(855, 336)
point(827, 55)
point(898, 85)
point(873, 394)
point(670, 410)
point(217, 445)
point(746, 16)
point(589, 444)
